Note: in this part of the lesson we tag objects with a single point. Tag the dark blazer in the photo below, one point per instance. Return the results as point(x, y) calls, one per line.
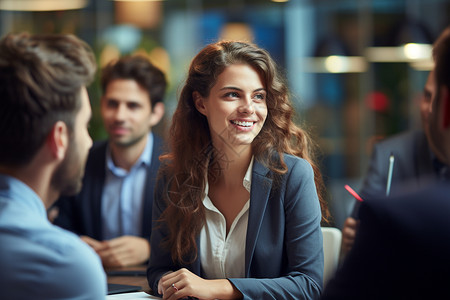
point(283, 254)
point(413, 166)
point(82, 213)
point(401, 250)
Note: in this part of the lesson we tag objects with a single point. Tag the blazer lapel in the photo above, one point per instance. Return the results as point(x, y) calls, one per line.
point(152, 172)
point(259, 196)
point(98, 179)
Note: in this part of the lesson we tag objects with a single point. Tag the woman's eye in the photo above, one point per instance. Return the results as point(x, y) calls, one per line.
point(232, 95)
point(260, 96)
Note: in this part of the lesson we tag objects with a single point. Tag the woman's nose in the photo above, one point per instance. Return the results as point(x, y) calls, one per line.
point(247, 107)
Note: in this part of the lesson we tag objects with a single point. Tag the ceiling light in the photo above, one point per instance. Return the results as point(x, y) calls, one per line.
point(419, 56)
point(41, 5)
point(335, 64)
point(138, 0)
point(415, 51)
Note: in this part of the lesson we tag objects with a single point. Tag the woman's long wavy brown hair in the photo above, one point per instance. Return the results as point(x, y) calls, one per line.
point(192, 157)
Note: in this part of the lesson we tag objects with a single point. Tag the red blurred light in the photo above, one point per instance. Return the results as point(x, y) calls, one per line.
point(377, 101)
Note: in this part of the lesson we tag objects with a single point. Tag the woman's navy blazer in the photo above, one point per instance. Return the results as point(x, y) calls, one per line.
point(284, 250)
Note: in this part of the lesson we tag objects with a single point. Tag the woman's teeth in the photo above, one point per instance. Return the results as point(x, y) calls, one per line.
point(242, 123)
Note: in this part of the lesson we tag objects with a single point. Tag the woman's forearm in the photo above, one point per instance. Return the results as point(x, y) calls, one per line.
point(224, 289)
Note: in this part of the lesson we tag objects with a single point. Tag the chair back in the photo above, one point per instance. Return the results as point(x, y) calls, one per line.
point(331, 250)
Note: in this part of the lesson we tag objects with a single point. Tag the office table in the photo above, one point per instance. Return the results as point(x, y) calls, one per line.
point(134, 275)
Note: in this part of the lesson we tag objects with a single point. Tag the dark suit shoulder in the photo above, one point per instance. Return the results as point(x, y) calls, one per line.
point(158, 141)
point(98, 150)
point(159, 147)
point(416, 207)
point(402, 141)
point(400, 251)
point(96, 159)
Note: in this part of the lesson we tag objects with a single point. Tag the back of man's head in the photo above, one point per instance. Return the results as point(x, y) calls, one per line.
point(139, 69)
point(41, 77)
point(441, 104)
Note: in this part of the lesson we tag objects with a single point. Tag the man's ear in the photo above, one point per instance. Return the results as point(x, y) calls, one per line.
point(157, 114)
point(199, 102)
point(444, 107)
point(58, 140)
point(445, 100)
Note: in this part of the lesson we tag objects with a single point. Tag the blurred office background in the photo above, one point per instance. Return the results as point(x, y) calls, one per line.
point(356, 68)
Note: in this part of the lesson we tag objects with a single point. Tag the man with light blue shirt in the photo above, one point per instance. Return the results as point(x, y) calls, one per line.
point(113, 211)
point(44, 116)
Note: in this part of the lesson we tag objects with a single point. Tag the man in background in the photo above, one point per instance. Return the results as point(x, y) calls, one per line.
point(44, 117)
point(417, 162)
point(402, 244)
point(113, 211)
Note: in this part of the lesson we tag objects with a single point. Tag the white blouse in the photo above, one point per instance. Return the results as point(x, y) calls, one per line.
point(221, 255)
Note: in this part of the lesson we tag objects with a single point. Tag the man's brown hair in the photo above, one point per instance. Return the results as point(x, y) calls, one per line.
point(41, 77)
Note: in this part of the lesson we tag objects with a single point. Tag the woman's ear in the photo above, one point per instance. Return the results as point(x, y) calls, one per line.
point(199, 102)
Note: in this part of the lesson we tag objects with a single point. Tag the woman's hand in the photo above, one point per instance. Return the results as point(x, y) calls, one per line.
point(183, 283)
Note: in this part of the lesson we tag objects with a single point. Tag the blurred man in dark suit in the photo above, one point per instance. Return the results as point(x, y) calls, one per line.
point(113, 211)
point(402, 247)
point(417, 163)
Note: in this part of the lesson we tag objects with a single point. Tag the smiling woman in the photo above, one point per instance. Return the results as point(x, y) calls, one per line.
point(239, 176)
point(235, 108)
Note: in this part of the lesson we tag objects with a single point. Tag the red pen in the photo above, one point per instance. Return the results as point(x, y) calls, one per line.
point(354, 194)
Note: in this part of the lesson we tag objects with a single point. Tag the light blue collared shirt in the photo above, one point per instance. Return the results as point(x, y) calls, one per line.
point(123, 195)
point(39, 260)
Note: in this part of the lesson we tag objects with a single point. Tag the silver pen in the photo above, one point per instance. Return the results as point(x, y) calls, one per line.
point(389, 178)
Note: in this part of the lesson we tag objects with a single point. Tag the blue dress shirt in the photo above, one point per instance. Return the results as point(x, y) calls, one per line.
point(39, 260)
point(123, 195)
